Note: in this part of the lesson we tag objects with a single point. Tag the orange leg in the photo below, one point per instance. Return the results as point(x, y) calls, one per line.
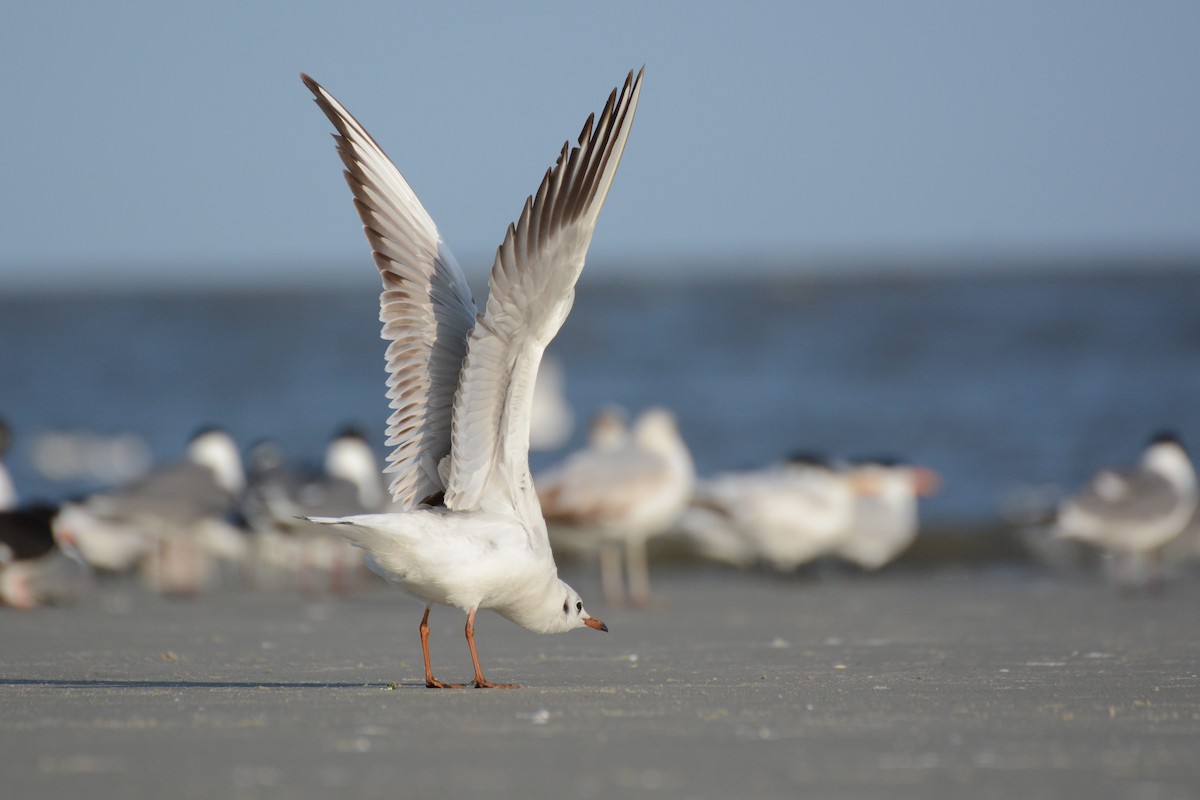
point(480, 681)
point(430, 681)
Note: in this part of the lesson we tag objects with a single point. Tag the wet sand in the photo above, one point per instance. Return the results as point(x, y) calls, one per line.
point(909, 684)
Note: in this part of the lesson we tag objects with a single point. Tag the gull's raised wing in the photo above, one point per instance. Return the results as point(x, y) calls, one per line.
point(426, 306)
point(531, 289)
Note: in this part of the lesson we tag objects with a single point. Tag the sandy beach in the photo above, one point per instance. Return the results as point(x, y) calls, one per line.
point(979, 682)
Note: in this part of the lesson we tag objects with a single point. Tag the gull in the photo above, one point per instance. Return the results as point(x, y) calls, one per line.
point(288, 549)
point(884, 520)
point(1134, 513)
point(470, 532)
point(172, 522)
point(622, 489)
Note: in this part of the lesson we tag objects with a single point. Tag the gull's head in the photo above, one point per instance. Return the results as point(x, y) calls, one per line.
point(215, 449)
point(351, 459)
point(568, 612)
point(656, 430)
point(609, 429)
point(1166, 455)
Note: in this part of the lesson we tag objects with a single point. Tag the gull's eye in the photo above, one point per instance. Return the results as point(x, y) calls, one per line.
point(579, 606)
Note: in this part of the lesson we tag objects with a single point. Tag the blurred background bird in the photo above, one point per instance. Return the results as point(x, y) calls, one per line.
point(8, 492)
point(1134, 513)
point(627, 486)
point(175, 524)
point(785, 515)
point(34, 569)
point(884, 521)
point(289, 552)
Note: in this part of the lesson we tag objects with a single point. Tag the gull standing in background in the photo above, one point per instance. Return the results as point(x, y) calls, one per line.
point(625, 487)
point(461, 386)
point(290, 551)
point(1134, 513)
point(174, 522)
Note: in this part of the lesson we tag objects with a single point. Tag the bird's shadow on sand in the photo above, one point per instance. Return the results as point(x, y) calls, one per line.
point(115, 683)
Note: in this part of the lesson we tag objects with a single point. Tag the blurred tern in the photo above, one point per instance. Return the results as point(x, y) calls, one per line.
point(884, 521)
point(471, 532)
point(1134, 513)
point(622, 489)
point(787, 514)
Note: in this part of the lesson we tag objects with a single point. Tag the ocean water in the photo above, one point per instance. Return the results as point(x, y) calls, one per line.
point(1000, 383)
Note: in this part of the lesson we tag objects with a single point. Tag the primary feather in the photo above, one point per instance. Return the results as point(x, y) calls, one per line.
point(531, 289)
point(426, 307)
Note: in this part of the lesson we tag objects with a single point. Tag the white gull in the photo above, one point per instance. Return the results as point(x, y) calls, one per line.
point(471, 534)
point(1134, 513)
point(291, 552)
point(173, 522)
point(622, 489)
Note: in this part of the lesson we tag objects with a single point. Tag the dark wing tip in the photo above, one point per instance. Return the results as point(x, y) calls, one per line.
point(632, 80)
point(586, 132)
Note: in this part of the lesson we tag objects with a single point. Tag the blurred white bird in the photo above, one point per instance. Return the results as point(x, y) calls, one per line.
point(34, 571)
point(884, 519)
point(787, 514)
point(288, 550)
point(1134, 513)
point(8, 492)
point(552, 418)
point(173, 523)
point(471, 533)
point(621, 490)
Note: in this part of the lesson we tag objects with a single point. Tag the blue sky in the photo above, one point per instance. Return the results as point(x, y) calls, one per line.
point(156, 143)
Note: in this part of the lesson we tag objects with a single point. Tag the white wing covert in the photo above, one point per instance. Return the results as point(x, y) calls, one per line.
point(531, 290)
point(425, 308)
